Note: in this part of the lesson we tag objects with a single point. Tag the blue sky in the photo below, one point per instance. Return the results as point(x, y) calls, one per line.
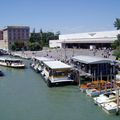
point(66, 16)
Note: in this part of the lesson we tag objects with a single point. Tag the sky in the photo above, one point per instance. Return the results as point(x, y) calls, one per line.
point(66, 16)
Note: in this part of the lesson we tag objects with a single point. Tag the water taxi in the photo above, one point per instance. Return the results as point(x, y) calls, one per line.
point(56, 72)
point(110, 107)
point(105, 98)
point(37, 63)
point(11, 62)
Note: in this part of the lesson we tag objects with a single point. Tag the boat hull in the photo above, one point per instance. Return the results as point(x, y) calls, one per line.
point(12, 65)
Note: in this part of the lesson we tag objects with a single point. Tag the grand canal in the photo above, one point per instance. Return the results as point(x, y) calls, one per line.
point(25, 96)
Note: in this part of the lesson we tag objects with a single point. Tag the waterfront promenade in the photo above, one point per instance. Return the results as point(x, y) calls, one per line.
point(62, 54)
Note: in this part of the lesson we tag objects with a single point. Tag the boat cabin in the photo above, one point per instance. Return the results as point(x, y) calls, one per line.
point(12, 62)
point(37, 63)
point(57, 71)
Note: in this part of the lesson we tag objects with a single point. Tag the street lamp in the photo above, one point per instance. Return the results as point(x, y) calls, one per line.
point(65, 49)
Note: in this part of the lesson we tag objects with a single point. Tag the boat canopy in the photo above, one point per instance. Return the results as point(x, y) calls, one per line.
point(9, 59)
point(43, 58)
point(57, 65)
point(91, 59)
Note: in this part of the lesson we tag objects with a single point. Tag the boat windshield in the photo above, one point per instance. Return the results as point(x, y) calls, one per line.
point(14, 61)
point(60, 73)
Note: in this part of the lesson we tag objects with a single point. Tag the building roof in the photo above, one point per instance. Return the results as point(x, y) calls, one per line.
point(91, 59)
point(16, 27)
point(57, 65)
point(90, 40)
point(43, 58)
point(102, 34)
point(90, 37)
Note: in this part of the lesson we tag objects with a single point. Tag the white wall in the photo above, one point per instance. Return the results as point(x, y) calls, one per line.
point(54, 43)
point(3, 45)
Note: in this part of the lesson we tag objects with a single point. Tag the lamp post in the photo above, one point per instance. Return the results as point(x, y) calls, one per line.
point(116, 88)
point(65, 50)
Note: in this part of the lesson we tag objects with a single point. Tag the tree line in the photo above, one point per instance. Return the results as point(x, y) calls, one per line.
point(37, 41)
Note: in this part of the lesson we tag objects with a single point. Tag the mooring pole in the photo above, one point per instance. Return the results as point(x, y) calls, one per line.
point(117, 95)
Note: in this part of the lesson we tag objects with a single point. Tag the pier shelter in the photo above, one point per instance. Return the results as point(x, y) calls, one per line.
point(95, 67)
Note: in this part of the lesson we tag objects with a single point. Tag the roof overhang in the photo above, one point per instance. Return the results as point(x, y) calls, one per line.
point(97, 40)
point(91, 59)
point(57, 65)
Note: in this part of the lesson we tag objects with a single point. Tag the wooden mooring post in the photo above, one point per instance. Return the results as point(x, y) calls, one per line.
point(117, 97)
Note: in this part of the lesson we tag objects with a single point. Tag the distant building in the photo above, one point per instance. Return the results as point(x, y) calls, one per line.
point(12, 34)
point(55, 44)
point(87, 40)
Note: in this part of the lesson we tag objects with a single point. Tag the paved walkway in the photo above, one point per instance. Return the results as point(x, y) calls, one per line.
point(62, 54)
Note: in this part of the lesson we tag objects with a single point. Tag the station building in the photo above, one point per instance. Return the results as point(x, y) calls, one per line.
point(86, 40)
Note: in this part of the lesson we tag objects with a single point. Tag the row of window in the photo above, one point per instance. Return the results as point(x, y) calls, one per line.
point(16, 34)
point(18, 30)
point(18, 37)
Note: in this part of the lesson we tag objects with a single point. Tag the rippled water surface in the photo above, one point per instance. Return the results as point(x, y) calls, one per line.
point(25, 96)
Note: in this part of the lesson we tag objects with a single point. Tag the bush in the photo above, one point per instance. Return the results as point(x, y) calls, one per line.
point(117, 52)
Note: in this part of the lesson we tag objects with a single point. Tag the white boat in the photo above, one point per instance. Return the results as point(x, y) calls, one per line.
point(110, 107)
point(106, 97)
point(57, 72)
point(37, 63)
point(11, 62)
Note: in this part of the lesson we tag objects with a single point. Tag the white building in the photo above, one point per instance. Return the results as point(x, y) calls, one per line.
point(55, 43)
point(87, 40)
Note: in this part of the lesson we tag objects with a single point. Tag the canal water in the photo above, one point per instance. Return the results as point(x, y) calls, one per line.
point(25, 96)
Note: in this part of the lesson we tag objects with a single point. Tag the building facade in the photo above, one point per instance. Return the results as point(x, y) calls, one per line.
point(88, 40)
point(12, 34)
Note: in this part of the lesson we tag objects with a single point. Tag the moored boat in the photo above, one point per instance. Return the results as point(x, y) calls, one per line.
point(103, 98)
point(110, 107)
point(11, 62)
point(56, 72)
point(37, 63)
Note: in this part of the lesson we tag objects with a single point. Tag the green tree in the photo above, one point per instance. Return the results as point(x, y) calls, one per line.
point(42, 38)
point(34, 46)
point(57, 35)
point(117, 52)
point(116, 44)
point(13, 47)
point(117, 23)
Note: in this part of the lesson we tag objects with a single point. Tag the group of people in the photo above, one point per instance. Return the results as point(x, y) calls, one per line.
point(104, 53)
